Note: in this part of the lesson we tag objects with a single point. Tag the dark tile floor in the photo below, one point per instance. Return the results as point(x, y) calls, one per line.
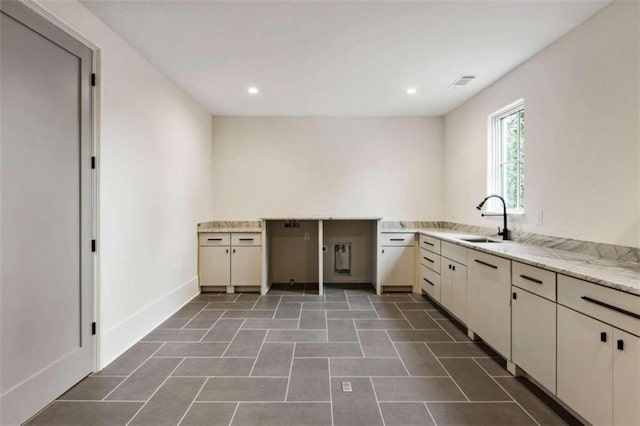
point(281, 359)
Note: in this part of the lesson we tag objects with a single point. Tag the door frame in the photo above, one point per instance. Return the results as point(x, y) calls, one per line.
point(96, 102)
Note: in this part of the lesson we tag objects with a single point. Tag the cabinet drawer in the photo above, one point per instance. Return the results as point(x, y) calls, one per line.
point(252, 239)
point(430, 282)
point(430, 260)
point(536, 280)
point(215, 239)
point(430, 243)
point(397, 239)
point(454, 252)
point(611, 306)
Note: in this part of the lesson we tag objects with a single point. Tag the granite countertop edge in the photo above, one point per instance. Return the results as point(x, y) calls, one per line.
point(576, 265)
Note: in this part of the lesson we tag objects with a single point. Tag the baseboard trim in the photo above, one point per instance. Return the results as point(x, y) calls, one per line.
point(118, 339)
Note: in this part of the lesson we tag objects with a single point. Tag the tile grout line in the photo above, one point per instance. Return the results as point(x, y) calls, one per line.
point(430, 415)
point(441, 327)
point(235, 410)
point(264, 339)
point(375, 395)
point(510, 396)
point(397, 353)
point(213, 325)
point(233, 338)
point(447, 371)
point(293, 355)
point(154, 392)
point(330, 389)
point(136, 369)
point(194, 400)
point(194, 316)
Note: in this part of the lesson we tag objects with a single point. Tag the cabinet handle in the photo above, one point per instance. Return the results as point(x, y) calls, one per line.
point(429, 244)
point(397, 239)
point(449, 266)
point(535, 280)
point(453, 267)
point(382, 251)
point(515, 295)
point(485, 264)
point(234, 250)
point(426, 258)
point(214, 239)
point(603, 336)
point(429, 282)
point(227, 251)
point(620, 345)
point(613, 308)
point(246, 239)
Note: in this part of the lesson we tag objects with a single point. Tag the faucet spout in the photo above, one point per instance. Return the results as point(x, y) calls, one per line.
point(505, 233)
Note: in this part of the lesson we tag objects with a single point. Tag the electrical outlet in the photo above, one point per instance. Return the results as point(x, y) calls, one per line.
point(307, 236)
point(539, 218)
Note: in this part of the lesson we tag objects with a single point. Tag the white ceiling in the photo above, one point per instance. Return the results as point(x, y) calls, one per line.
point(337, 58)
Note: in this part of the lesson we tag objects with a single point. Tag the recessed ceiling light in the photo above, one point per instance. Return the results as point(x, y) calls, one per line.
point(412, 90)
point(253, 90)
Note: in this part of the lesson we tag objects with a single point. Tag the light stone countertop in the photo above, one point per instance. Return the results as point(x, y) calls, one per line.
point(616, 274)
point(238, 229)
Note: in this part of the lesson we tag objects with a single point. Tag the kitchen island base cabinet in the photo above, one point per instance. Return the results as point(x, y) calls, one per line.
point(585, 366)
point(533, 322)
point(489, 300)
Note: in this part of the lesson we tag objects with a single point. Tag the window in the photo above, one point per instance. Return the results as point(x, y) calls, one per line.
point(506, 157)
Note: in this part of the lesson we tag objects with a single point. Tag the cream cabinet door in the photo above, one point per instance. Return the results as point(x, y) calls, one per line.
point(533, 322)
point(446, 284)
point(626, 379)
point(246, 266)
point(489, 300)
point(459, 305)
point(397, 266)
point(214, 266)
point(585, 366)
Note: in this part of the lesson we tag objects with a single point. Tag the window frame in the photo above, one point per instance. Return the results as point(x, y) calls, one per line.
point(495, 159)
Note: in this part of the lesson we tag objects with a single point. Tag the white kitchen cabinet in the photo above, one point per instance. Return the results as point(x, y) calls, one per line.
point(489, 300)
point(430, 282)
point(533, 344)
point(246, 266)
point(585, 366)
point(229, 260)
point(626, 378)
point(214, 266)
point(397, 266)
point(453, 288)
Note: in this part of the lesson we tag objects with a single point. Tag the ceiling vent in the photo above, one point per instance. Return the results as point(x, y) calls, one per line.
point(462, 81)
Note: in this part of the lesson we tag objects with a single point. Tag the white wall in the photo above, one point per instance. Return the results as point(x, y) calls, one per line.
point(582, 134)
point(291, 166)
point(155, 186)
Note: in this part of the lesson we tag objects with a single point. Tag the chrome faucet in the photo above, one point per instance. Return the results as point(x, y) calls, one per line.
point(505, 233)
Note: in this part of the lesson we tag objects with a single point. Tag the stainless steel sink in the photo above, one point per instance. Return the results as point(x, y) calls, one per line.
point(479, 240)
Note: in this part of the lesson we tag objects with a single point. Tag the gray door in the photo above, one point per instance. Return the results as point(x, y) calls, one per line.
point(46, 293)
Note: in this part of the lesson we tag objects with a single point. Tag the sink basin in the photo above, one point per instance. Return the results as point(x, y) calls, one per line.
point(479, 240)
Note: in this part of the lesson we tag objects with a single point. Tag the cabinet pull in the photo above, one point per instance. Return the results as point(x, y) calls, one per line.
point(485, 264)
point(246, 239)
point(603, 336)
point(426, 258)
point(429, 282)
point(515, 295)
point(214, 239)
point(227, 251)
point(535, 280)
point(613, 308)
point(429, 244)
point(234, 250)
point(396, 239)
point(449, 266)
point(620, 345)
point(382, 251)
point(453, 267)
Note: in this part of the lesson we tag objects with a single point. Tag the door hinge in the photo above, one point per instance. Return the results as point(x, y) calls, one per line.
point(93, 162)
point(93, 246)
point(93, 79)
point(93, 328)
